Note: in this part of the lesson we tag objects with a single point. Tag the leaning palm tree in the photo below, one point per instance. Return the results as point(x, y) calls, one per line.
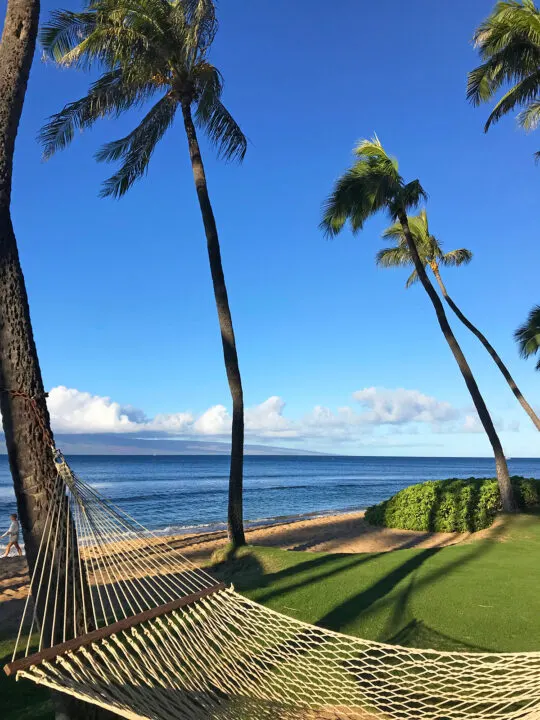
point(431, 253)
point(372, 184)
point(528, 335)
point(25, 417)
point(508, 42)
point(156, 50)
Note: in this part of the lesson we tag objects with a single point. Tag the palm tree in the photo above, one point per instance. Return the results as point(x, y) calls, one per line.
point(528, 335)
point(508, 42)
point(25, 417)
point(431, 253)
point(372, 184)
point(156, 49)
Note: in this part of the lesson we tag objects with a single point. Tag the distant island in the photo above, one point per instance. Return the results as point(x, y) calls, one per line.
point(139, 444)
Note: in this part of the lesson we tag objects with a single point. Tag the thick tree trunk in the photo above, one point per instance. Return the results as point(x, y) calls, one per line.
point(26, 423)
point(235, 511)
point(489, 347)
point(505, 487)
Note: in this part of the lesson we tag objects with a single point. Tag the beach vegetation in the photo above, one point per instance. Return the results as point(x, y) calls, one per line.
point(374, 184)
point(156, 52)
point(432, 255)
point(453, 505)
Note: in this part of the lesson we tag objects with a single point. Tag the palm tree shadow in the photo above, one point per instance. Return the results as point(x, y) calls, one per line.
point(349, 610)
point(363, 602)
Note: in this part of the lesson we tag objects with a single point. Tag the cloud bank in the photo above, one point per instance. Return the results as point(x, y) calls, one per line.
point(376, 410)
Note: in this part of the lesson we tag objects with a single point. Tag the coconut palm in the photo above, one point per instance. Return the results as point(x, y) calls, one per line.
point(528, 335)
point(156, 51)
point(431, 253)
point(508, 42)
point(373, 184)
point(25, 417)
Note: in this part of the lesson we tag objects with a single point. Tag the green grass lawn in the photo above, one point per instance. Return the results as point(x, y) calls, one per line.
point(478, 596)
point(483, 595)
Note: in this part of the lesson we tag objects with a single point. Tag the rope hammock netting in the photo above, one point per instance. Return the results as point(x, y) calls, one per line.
point(129, 624)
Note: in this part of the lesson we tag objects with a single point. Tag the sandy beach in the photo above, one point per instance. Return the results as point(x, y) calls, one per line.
point(345, 533)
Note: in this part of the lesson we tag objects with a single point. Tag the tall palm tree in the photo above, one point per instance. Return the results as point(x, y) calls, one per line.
point(528, 335)
point(156, 50)
point(431, 253)
point(373, 184)
point(508, 42)
point(25, 417)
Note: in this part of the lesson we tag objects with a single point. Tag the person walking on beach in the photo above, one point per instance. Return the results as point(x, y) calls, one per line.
point(13, 533)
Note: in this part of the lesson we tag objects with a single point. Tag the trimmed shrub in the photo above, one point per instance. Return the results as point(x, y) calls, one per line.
point(450, 505)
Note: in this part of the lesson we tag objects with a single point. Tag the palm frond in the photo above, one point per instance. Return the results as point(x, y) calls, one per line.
point(417, 227)
point(509, 22)
point(135, 150)
point(529, 118)
point(456, 258)
point(64, 31)
point(408, 198)
point(412, 279)
point(394, 232)
point(481, 85)
point(348, 198)
point(373, 152)
point(214, 118)
point(522, 93)
point(393, 257)
point(527, 335)
point(110, 95)
point(202, 23)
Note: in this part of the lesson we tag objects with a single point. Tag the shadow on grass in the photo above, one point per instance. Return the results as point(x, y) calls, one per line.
point(379, 593)
point(394, 590)
point(350, 609)
point(416, 634)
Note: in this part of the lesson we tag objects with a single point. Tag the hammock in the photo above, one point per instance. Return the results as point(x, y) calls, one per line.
point(130, 625)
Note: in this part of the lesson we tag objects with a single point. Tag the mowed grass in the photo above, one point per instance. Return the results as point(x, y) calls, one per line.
point(483, 595)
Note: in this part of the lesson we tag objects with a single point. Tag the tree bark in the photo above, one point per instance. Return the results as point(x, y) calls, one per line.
point(235, 522)
point(507, 496)
point(489, 347)
point(26, 422)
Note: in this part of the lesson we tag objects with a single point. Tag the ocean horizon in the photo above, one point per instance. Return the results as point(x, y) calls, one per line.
point(182, 494)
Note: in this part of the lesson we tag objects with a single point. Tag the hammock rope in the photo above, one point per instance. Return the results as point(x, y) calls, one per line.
point(124, 621)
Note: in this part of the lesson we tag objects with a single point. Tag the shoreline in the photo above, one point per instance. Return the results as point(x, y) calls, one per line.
point(338, 533)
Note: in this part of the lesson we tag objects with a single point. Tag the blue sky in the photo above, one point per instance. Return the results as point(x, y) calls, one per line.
point(120, 291)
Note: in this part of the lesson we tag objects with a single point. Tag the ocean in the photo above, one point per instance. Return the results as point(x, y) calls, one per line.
point(185, 494)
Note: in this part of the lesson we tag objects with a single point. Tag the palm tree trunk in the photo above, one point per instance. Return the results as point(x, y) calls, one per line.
point(503, 477)
point(29, 453)
point(235, 520)
point(26, 423)
point(491, 350)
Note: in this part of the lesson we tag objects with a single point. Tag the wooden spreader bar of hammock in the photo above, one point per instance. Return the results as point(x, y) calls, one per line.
point(105, 632)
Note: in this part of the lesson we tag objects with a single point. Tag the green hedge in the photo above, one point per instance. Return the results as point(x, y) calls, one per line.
point(450, 505)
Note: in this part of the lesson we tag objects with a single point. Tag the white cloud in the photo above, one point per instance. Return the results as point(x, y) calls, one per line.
point(80, 412)
point(215, 421)
point(402, 406)
point(267, 418)
point(382, 412)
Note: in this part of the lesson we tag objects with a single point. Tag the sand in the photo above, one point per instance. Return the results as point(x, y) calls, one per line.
point(345, 533)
